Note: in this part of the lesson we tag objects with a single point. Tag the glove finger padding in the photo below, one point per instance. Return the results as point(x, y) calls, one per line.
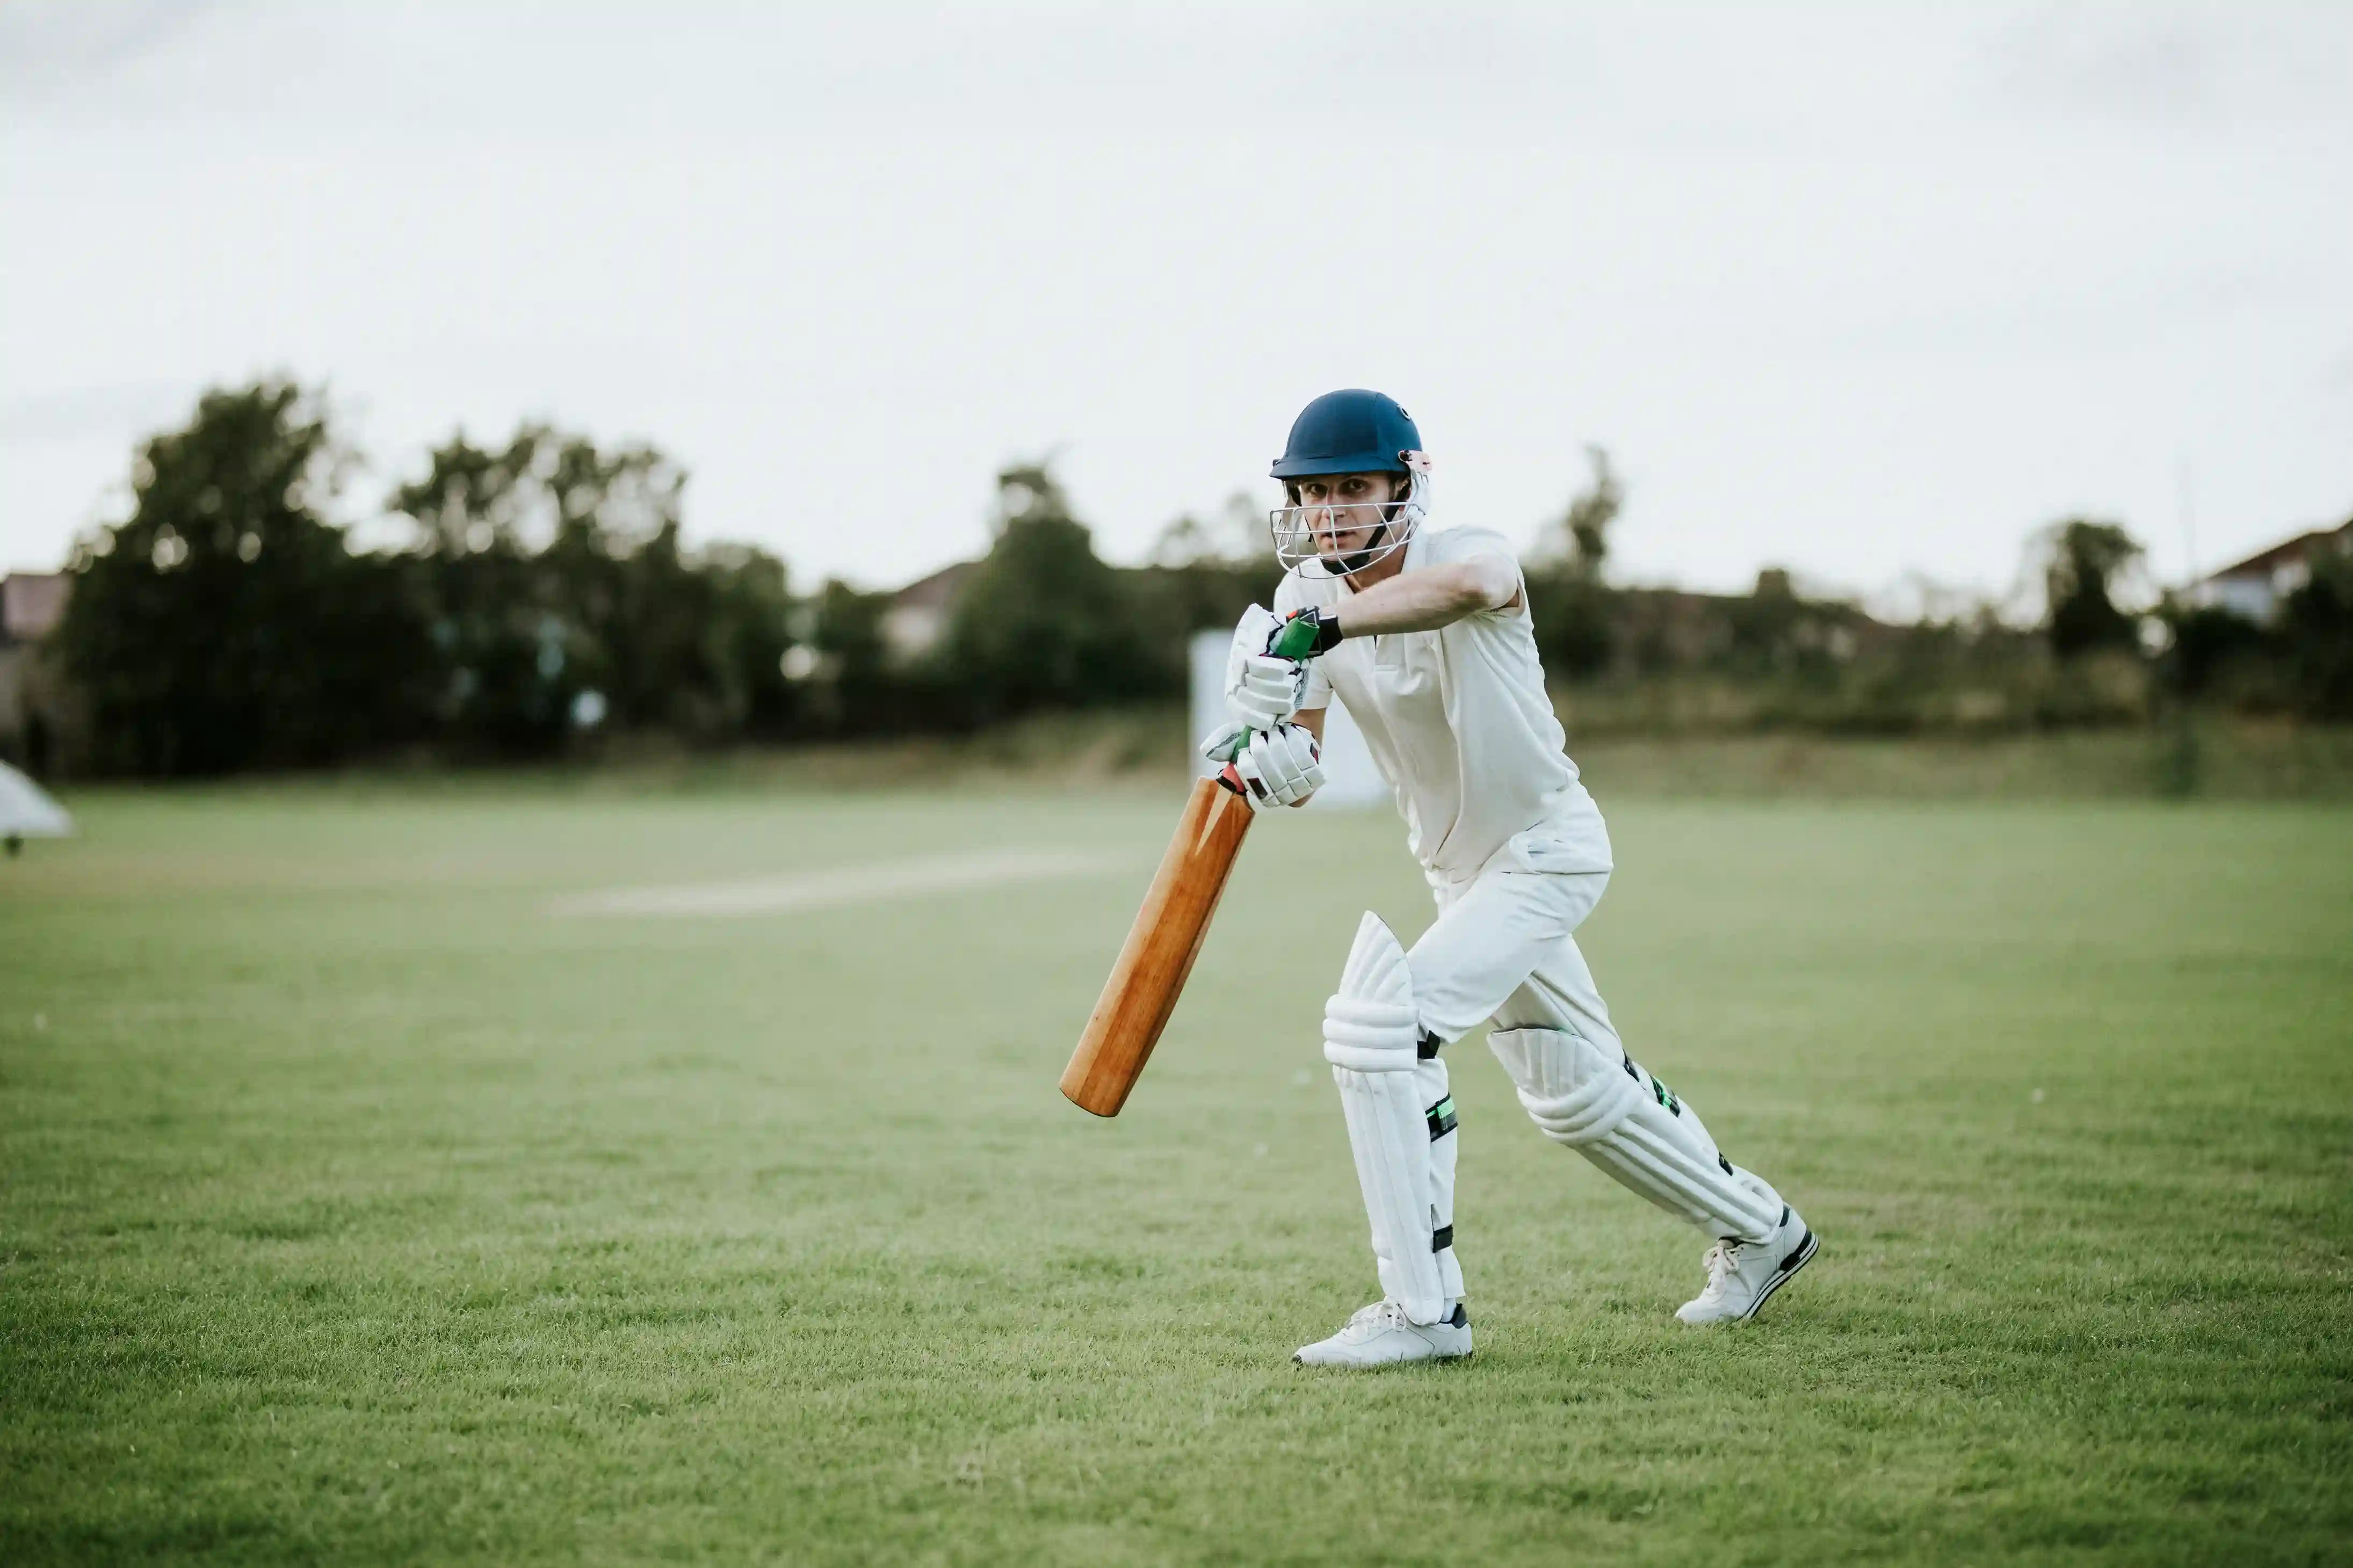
point(1258, 624)
point(1260, 691)
point(1304, 756)
point(1225, 742)
point(1281, 767)
point(1265, 691)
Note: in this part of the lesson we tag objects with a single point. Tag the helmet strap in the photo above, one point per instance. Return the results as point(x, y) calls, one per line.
point(1356, 561)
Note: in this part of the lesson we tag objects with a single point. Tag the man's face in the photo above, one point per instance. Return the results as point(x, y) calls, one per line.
point(1346, 514)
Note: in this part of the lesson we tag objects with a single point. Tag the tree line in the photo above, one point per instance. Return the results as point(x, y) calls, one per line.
point(532, 597)
point(541, 593)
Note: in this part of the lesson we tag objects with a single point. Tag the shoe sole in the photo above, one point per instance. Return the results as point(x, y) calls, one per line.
point(1376, 1365)
point(1807, 1248)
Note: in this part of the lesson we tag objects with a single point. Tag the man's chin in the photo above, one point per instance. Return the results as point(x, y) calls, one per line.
point(1346, 565)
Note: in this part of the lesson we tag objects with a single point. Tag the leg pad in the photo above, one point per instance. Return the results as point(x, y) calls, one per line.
point(1395, 1101)
point(1635, 1129)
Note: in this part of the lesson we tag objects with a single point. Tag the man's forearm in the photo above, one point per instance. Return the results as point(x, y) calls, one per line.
point(1426, 599)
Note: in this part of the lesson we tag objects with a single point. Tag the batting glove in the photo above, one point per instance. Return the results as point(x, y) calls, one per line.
point(1262, 690)
point(1281, 767)
point(1225, 742)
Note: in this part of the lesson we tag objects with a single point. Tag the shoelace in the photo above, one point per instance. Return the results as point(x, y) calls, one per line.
point(1383, 1313)
point(1720, 1260)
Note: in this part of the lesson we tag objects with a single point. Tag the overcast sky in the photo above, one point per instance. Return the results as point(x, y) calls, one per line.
point(1861, 289)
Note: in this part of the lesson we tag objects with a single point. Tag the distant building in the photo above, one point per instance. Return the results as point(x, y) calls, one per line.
point(918, 614)
point(31, 605)
point(2254, 587)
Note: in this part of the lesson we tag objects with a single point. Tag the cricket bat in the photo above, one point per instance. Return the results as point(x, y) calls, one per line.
point(1160, 946)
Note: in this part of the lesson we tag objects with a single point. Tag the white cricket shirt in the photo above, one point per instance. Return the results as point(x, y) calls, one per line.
point(1459, 724)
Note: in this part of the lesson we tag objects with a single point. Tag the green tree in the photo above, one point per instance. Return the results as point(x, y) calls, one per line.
point(1204, 572)
point(2083, 562)
point(2315, 631)
point(2212, 651)
point(1572, 611)
point(1043, 622)
point(227, 624)
point(501, 646)
point(558, 586)
point(1579, 537)
point(745, 637)
point(857, 688)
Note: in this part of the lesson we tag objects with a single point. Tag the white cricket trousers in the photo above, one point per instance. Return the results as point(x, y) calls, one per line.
point(1504, 948)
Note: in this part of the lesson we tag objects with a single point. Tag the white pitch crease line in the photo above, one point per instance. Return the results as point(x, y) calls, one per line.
point(841, 885)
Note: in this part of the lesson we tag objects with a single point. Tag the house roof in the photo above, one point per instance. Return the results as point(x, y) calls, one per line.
point(2303, 547)
point(934, 592)
point(31, 604)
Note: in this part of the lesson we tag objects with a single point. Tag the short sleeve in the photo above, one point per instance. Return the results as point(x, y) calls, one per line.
point(1453, 545)
point(1318, 695)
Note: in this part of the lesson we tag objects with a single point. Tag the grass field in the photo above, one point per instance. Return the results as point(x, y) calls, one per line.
point(355, 1207)
point(2214, 758)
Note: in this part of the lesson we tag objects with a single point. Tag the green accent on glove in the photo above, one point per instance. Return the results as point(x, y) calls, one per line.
point(1304, 635)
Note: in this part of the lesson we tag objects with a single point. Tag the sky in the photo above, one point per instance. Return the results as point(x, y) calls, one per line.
point(1870, 292)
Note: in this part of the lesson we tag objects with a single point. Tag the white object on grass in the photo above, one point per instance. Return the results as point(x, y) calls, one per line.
point(28, 812)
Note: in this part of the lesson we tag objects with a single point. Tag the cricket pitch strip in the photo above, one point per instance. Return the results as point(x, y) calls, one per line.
point(838, 886)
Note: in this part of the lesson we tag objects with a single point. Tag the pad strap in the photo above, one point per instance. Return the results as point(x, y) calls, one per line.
point(1599, 1103)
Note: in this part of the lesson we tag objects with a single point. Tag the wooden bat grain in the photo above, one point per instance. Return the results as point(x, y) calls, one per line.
point(1158, 954)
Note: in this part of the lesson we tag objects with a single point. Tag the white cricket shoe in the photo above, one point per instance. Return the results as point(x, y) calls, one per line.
point(1742, 1274)
point(1382, 1335)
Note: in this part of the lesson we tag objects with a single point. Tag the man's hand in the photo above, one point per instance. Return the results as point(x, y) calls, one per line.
point(1261, 690)
point(1280, 767)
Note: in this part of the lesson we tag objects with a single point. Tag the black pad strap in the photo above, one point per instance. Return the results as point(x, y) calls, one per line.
point(1441, 1119)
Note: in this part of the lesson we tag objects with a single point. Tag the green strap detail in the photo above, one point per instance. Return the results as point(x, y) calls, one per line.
point(1441, 1119)
point(1296, 639)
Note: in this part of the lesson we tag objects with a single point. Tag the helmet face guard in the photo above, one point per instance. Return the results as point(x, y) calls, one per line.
point(1310, 533)
point(1350, 432)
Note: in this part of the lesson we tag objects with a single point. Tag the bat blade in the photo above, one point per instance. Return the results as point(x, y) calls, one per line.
point(1158, 954)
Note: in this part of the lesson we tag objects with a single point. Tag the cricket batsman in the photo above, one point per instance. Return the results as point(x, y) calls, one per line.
point(1424, 634)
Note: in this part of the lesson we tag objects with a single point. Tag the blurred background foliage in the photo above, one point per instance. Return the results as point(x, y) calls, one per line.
point(537, 600)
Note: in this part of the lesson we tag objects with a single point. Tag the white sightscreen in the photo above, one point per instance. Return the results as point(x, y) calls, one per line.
point(1349, 777)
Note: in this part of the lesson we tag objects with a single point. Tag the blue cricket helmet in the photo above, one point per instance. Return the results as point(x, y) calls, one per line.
point(1351, 432)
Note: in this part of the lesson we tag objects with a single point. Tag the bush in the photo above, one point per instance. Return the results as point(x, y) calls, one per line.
point(2315, 629)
